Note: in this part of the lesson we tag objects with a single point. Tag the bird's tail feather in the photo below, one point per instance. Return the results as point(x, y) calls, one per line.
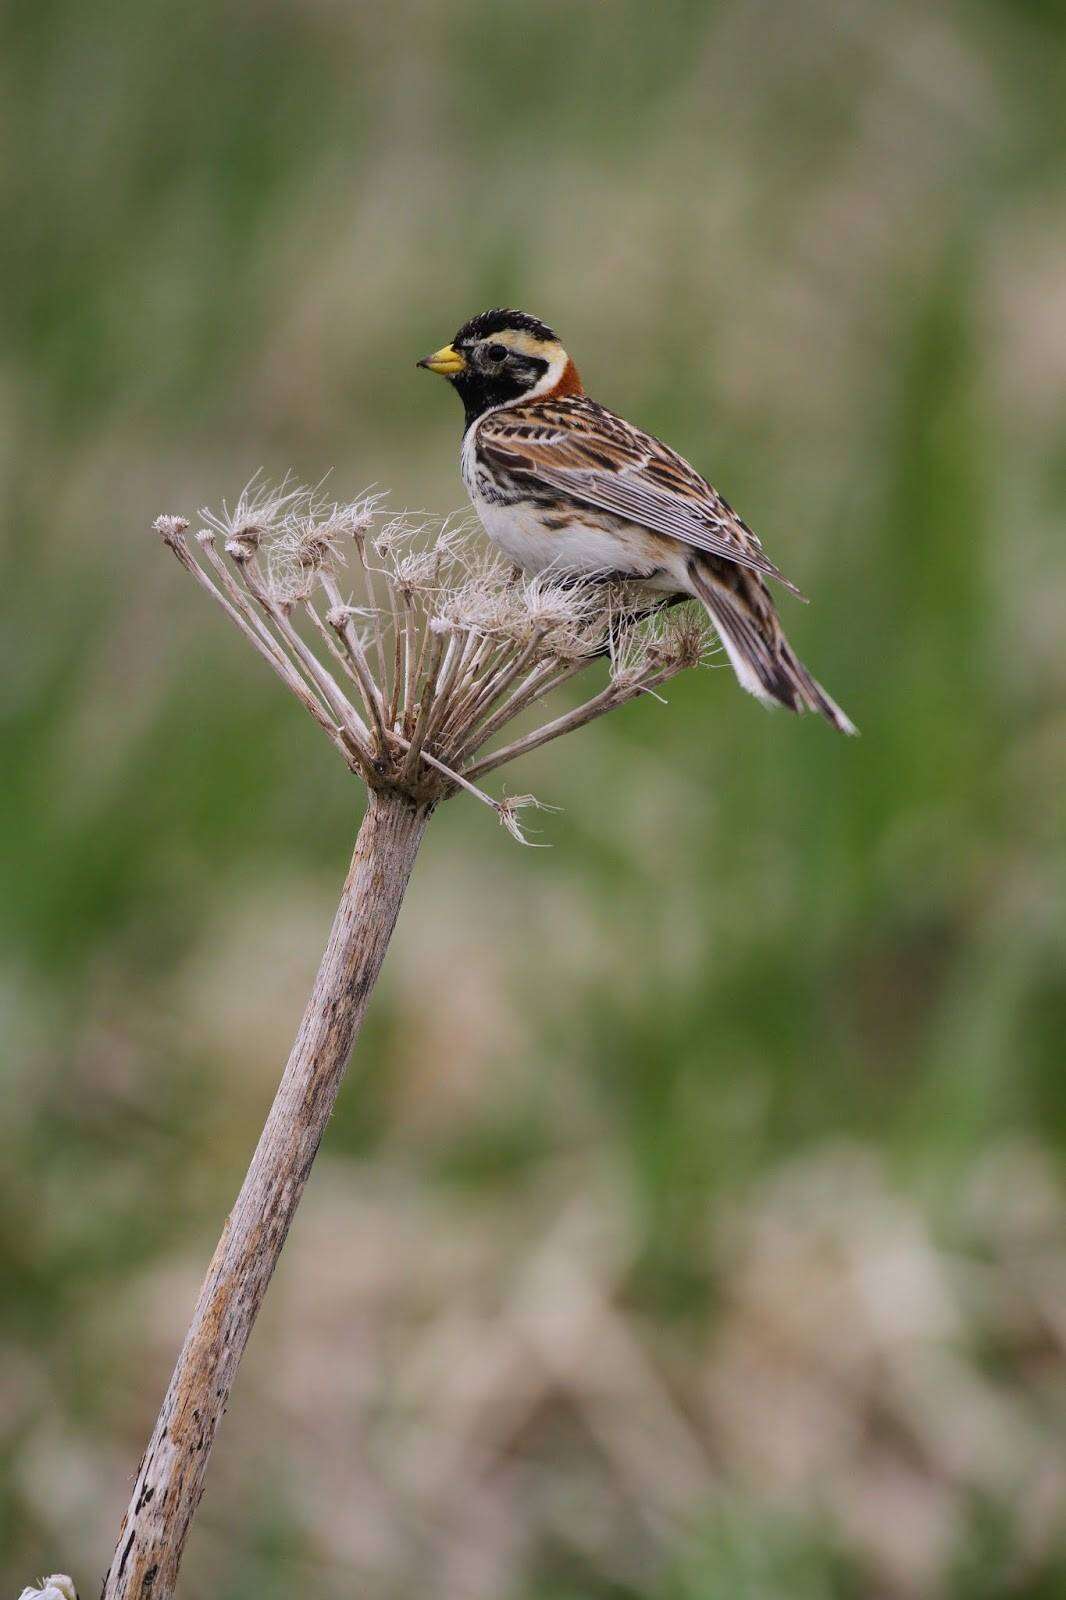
point(761, 656)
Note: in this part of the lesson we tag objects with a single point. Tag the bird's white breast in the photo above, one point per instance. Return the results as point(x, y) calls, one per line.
point(590, 541)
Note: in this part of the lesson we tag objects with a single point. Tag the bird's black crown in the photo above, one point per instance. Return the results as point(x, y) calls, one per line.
point(487, 322)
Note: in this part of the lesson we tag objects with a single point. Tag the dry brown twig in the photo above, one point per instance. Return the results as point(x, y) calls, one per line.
point(409, 689)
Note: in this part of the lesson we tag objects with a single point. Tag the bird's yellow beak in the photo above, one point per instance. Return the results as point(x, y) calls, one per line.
point(446, 361)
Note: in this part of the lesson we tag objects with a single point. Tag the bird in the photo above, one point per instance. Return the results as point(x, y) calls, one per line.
point(563, 485)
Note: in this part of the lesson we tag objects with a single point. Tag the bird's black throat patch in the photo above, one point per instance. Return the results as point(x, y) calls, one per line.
point(480, 391)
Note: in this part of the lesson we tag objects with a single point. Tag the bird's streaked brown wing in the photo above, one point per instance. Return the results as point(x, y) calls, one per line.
point(580, 449)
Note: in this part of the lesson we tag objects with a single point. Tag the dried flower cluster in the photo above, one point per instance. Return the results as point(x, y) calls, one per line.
point(442, 645)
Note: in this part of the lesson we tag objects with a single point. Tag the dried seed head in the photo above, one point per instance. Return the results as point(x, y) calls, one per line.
point(171, 529)
point(688, 637)
point(288, 579)
point(259, 510)
point(357, 516)
point(551, 602)
point(631, 653)
point(337, 616)
point(416, 571)
point(307, 541)
point(667, 640)
point(394, 538)
point(508, 808)
point(459, 541)
point(480, 593)
point(478, 608)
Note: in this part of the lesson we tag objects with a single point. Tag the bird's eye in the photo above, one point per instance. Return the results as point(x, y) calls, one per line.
point(497, 352)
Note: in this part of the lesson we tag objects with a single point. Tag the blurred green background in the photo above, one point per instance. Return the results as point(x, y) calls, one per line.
point(690, 1227)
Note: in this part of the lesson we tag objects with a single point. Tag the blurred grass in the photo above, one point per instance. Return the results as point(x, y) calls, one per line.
point(820, 251)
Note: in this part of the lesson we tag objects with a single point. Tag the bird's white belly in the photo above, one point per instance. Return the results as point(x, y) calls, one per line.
point(590, 544)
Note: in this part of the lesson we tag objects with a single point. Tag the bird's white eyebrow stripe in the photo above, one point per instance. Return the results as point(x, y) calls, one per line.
point(526, 344)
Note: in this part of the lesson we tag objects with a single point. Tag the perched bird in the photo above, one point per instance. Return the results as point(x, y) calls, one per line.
point(561, 483)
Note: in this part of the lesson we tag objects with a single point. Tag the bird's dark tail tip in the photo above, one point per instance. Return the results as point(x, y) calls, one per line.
point(799, 682)
point(762, 658)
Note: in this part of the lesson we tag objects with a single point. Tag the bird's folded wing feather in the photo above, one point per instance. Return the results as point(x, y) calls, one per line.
point(580, 449)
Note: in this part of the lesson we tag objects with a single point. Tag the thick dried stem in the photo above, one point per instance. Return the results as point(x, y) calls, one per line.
point(170, 1479)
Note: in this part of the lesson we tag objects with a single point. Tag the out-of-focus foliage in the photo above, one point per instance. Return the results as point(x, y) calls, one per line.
point(690, 1226)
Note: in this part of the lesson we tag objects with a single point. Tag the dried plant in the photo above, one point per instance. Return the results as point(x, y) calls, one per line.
point(446, 645)
point(414, 648)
